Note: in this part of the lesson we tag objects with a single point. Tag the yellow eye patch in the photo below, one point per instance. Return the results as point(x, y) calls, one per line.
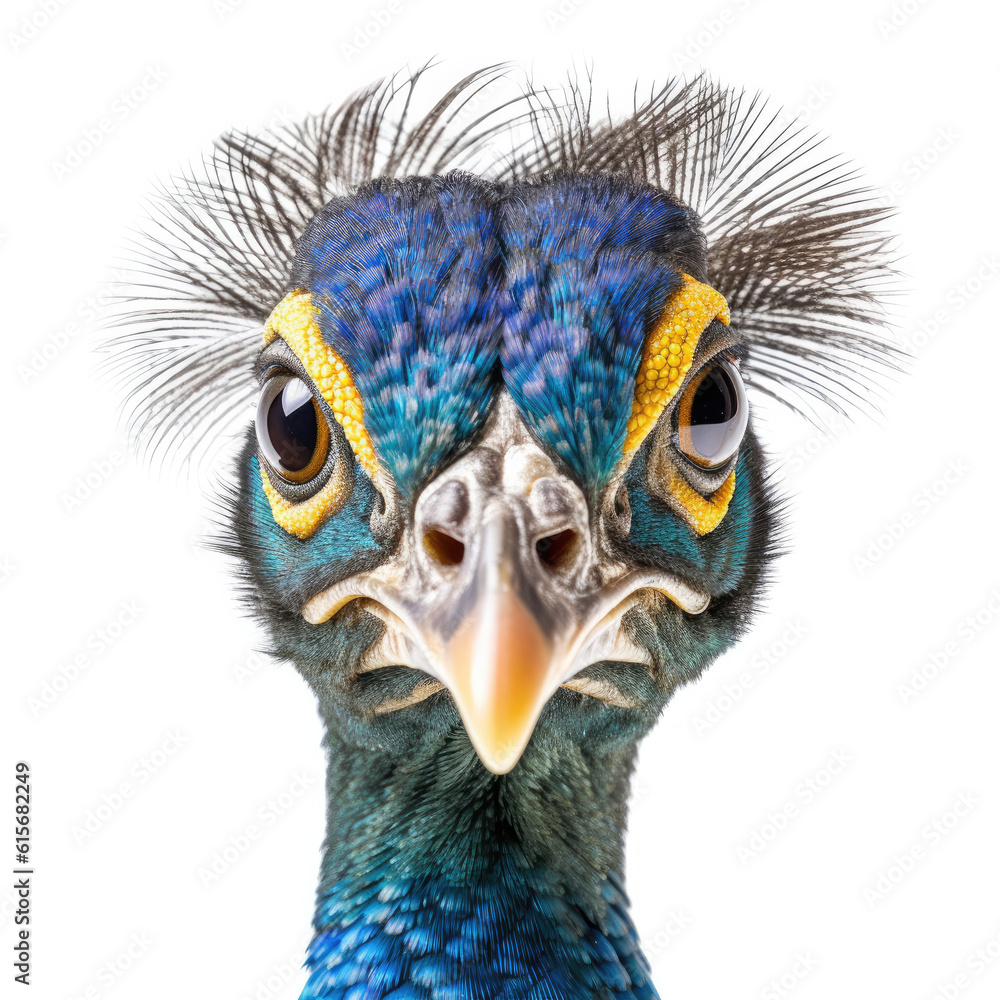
point(702, 513)
point(294, 321)
point(666, 360)
point(302, 518)
point(669, 349)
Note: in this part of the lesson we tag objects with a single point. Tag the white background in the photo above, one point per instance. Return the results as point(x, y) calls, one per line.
point(909, 91)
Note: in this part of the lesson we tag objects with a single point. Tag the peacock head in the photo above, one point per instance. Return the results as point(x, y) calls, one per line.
point(502, 493)
point(502, 480)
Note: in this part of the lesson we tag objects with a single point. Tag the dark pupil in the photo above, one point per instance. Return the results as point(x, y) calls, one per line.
point(291, 425)
point(712, 408)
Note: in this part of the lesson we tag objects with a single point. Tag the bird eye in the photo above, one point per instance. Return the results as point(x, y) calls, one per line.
point(292, 431)
point(712, 416)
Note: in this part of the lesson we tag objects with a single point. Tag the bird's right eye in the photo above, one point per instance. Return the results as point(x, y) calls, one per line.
point(292, 431)
point(712, 416)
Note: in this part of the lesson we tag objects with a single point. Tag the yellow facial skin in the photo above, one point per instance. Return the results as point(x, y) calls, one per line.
point(666, 360)
point(294, 321)
point(704, 514)
point(669, 349)
point(304, 517)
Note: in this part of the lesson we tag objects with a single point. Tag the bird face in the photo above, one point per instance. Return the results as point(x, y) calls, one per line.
point(501, 482)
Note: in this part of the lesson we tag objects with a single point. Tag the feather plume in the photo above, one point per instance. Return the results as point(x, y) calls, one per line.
point(793, 237)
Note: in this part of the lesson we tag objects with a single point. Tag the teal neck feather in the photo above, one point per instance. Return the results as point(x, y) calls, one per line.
point(442, 881)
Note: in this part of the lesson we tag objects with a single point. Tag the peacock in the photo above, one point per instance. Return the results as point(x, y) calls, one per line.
point(502, 495)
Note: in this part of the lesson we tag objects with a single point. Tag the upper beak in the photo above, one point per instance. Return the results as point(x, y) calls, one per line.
point(501, 663)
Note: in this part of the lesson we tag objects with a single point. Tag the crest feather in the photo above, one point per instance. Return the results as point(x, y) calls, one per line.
point(793, 238)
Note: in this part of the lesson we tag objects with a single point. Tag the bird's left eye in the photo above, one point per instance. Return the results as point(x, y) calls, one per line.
point(292, 431)
point(712, 415)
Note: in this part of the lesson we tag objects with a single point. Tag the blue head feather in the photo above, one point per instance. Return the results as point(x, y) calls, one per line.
point(405, 277)
point(590, 262)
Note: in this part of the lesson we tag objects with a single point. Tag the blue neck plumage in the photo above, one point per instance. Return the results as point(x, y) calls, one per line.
point(442, 880)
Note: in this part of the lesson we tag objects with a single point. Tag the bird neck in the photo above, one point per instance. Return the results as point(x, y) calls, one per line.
point(440, 878)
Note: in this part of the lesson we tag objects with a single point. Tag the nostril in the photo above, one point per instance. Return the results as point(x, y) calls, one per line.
point(621, 504)
point(444, 549)
point(623, 511)
point(555, 549)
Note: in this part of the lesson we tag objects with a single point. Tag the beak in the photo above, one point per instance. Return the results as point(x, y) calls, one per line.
point(500, 664)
